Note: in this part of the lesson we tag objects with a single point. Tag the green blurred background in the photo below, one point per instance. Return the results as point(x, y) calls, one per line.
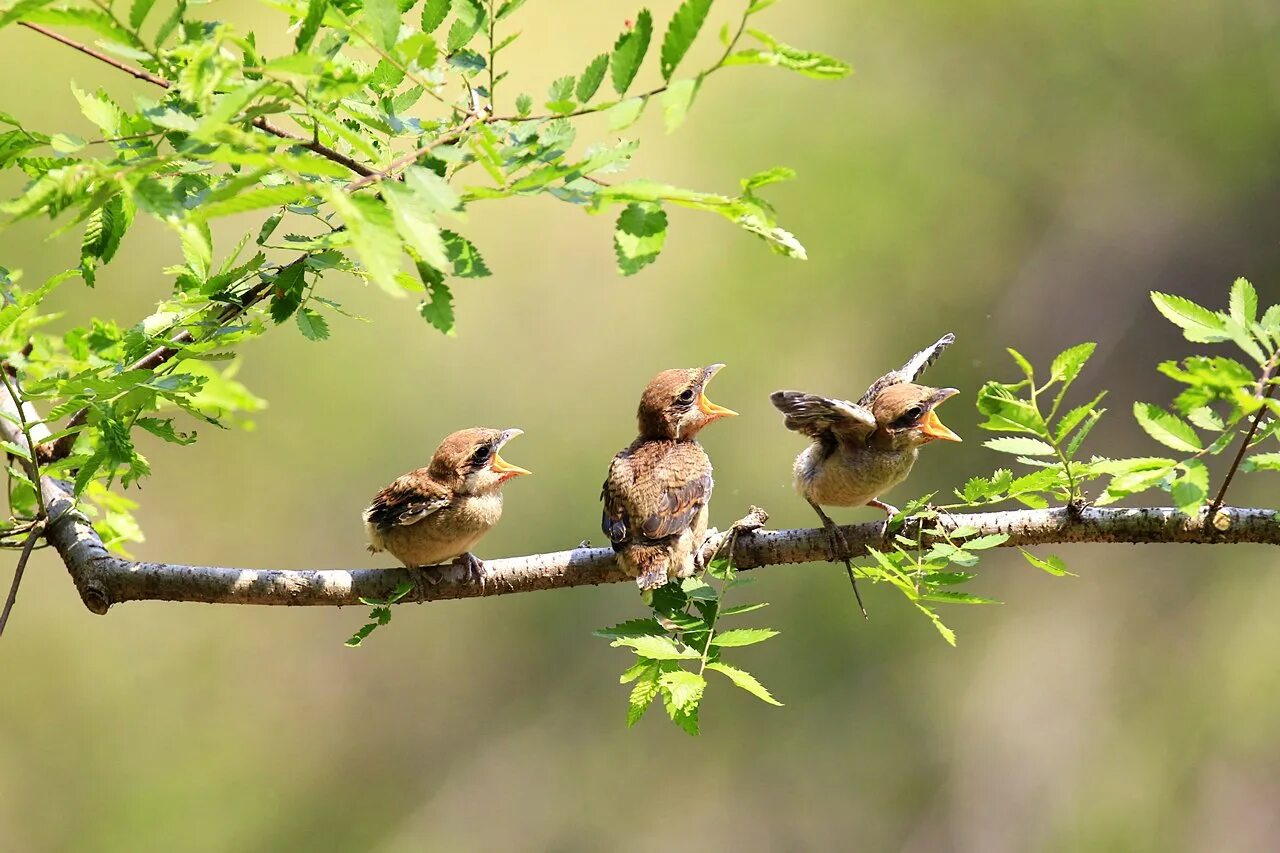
point(1018, 173)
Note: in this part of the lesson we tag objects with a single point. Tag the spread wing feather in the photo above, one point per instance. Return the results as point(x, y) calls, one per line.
point(910, 371)
point(824, 419)
point(408, 500)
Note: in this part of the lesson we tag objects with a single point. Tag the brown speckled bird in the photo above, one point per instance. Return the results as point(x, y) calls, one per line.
point(437, 514)
point(658, 488)
point(861, 450)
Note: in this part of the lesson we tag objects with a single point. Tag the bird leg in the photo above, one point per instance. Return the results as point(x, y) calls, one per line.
point(839, 551)
point(889, 512)
point(475, 567)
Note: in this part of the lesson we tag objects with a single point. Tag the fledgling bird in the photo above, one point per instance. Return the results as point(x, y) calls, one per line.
point(658, 488)
point(861, 450)
point(437, 514)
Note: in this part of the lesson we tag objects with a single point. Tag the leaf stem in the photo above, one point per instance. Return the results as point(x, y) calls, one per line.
point(1264, 380)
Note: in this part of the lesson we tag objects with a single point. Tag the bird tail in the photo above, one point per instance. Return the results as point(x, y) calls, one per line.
point(649, 564)
point(653, 577)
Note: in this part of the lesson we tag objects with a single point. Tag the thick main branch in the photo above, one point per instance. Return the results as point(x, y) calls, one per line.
point(104, 579)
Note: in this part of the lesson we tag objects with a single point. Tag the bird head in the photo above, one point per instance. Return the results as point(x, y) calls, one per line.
point(905, 415)
point(469, 461)
point(675, 405)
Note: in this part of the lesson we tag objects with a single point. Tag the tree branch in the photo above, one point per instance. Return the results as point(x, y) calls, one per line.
point(156, 80)
point(104, 580)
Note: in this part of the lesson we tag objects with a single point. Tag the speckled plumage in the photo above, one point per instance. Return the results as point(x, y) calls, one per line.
point(438, 513)
point(658, 488)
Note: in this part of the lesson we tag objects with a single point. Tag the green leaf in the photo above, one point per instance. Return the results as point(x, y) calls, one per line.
point(591, 79)
point(560, 95)
point(981, 543)
point(470, 17)
point(1021, 446)
point(810, 63)
point(524, 104)
point(685, 688)
point(639, 236)
point(310, 24)
point(1244, 302)
point(287, 291)
point(746, 681)
point(1075, 417)
point(414, 222)
point(255, 199)
point(1198, 324)
point(681, 33)
point(629, 51)
point(1191, 489)
point(464, 256)
point(739, 609)
point(373, 235)
point(20, 9)
point(643, 694)
point(1052, 564)
point(384, 21)
point(676, 102)
point(656, 648)
point(1166, 428)
point(1261, 462)
point(632, 628)
point(742, 637)
point(433, 14)
point(1068, 364)
point(313, 326)
point(625, 113)
point(438, 308)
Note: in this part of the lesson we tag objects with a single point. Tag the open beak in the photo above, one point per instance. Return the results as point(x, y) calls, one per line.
point(707, 407)
point(933, 427)
point(502, 467)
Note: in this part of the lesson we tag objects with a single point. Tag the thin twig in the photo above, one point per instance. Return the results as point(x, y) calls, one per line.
point(17, 576)
point(1248, 437)
point(414, 156)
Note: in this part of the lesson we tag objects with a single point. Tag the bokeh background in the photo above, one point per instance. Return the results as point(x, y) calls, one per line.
point(1018, 173)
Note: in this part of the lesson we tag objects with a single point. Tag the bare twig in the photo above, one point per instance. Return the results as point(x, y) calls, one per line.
point(401, 163)
point(17, 576)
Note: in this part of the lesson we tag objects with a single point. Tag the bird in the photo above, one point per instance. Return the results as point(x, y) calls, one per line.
point(437, 514)
point(658, 488)
point(859, 451)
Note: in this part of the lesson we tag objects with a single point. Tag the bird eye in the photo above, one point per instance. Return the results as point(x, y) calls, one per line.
point(481, 456)
point(686, 396)
point(914, 413)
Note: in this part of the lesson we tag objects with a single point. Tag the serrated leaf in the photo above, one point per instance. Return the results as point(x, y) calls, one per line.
point(591, 79)
point(742, 637)
point(437, 309)
point(313, 326)
point(685, 688)
point(372, 230)
point(1021, 446)
point(1198, 323)
point(656, 648)
point(810, 63)
point(560, 95)
point(1261, 462)
point(681, 33)
point(632, 628)
point(470, 17)
point(255, 199)
point(676, 102)
point(625, 113)
point(1243, 302)
point(465, 258)
point(629, 51)
point(384, 21)
point(433, 14)
point(1052, 564)
point(287, 291)
point(1068, 364)
point(638, 237)
point(414, 222)
point(643, 694)
point(310, 24)
point(1167, 428)
point(524, 104)
point(746, 681)
point(1191, 490)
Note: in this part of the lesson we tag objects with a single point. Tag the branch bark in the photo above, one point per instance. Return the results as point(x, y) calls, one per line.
point(104, 580)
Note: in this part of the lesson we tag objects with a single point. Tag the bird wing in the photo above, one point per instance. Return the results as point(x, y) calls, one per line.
point(910, 371)
point(655, 490)
point(824, 419)
point(408, 500)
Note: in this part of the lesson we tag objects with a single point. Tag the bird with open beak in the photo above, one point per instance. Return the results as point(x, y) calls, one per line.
point(658, 488)
point(859, 451)
point(437, 514)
